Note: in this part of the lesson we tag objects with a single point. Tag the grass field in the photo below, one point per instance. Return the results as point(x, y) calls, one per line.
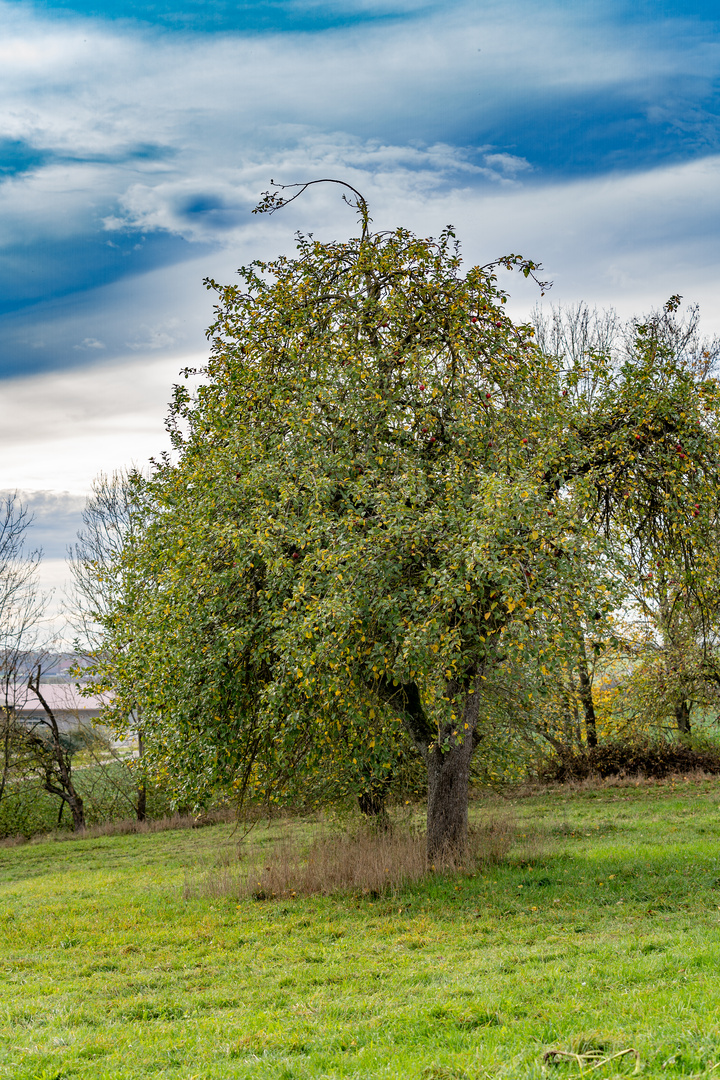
point(599, 933)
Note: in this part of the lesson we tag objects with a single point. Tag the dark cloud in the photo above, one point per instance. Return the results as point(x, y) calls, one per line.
point(19, 156)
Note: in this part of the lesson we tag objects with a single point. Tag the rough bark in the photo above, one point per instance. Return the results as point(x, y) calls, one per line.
point(447, 755)
point(448, 792)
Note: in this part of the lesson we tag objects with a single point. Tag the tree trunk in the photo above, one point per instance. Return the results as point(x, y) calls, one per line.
point(71, 797)
point(55, 760)
point(372, 807)
point(447, 754)
point(369, 805)
point(141, 811)
point(447, 805)
point(372, 803)
point(682, 716)
point(77, 810)
point(586, 697)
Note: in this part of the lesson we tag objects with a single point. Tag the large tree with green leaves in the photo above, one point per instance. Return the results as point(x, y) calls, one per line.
point(377, 502)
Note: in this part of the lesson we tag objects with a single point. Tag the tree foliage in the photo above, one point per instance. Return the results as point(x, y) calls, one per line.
point(663, 523)
point(384, 498)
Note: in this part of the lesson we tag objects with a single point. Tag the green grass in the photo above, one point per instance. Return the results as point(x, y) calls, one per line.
point(600, 932)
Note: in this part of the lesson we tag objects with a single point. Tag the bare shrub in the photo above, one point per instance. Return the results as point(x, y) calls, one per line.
point(369, 862)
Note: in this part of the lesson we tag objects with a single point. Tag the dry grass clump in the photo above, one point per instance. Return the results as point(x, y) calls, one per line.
point(369, 862)
point(12, 841)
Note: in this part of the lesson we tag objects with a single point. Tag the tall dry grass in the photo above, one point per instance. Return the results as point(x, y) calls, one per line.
point(369, 862)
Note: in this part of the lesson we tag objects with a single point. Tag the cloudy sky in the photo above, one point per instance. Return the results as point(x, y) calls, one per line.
point(136, 138)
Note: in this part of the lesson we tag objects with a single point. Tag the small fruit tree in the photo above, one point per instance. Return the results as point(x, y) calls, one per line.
point(374, 503)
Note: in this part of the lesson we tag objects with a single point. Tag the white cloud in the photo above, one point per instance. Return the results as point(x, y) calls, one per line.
point(606, 241)
point(626, 240)
point(210, 104)
point(507, 164)
point(60, 430)
point(90, 343)
point(162, 336)
point(54, 202)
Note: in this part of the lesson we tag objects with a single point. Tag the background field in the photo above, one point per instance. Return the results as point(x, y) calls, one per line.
point(600, 931)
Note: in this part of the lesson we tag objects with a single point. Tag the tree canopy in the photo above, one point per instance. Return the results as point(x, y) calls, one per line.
point(383, 496)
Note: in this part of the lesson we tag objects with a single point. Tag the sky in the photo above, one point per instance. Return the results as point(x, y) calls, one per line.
point(136, 138)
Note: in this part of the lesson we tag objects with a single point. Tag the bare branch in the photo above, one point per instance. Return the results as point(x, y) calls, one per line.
point(270, 201)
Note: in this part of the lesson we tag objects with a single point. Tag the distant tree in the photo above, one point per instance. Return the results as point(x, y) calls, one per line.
point(663, 528)
point(31, 743)
point(21, 609)
point(47, 751)
point(99, 593)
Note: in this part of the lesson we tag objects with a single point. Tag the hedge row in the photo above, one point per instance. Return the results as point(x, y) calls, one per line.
point(651, 758)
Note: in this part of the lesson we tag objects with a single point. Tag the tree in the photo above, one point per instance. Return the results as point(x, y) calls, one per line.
point(663, 526)
point(21, 608)
point(378, 502)
point(48, 750)
point(34, 743)
point(670, 530)
point(99, 587)
point(583, 343)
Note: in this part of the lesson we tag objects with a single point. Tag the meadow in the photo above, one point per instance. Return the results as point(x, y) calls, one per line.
point(592, 948)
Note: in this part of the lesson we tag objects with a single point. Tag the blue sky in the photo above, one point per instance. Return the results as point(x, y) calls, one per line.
point(135, 139)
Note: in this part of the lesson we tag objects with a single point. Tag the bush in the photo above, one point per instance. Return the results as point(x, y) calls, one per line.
point(642, 757)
